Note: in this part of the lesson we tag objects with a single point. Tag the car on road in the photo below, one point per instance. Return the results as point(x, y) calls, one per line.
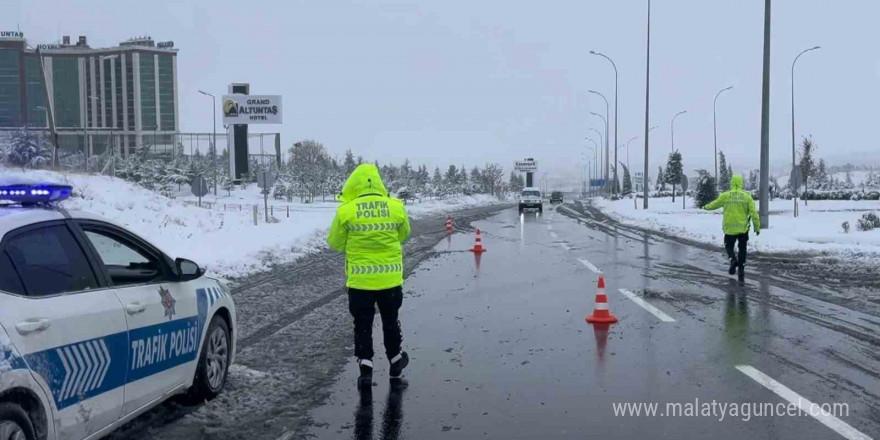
point(556, 197)
point(531, 198)
point(97, 325)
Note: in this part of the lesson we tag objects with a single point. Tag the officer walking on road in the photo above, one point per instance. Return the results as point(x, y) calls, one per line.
point(370, 228)
point(738, 207)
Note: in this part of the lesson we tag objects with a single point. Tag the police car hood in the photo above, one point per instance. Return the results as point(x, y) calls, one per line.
point(364, 180)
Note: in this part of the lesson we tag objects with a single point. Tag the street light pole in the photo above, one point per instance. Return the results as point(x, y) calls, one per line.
point(615, 111)
point(607, 116)
point(764, 213)
point(647, 106)
point(672, 127)
point(715, 128)
point(214, 149)
point(792, 117)
point(627, 149)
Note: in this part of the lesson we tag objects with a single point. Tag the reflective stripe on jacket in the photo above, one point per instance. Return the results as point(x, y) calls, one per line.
point(738, 206)
point(370, 228)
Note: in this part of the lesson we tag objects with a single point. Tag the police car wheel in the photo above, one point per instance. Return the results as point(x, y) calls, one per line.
point(213, 366)
point(14, 423)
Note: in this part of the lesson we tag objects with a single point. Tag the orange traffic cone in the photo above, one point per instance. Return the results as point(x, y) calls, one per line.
point(449, 224)
point(478, 244)
point(601, 314)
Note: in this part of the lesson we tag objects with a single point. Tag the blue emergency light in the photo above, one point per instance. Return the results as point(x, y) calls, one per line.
point(34, 193)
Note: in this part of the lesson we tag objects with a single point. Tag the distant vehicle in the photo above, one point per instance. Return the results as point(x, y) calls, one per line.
point(556, 197)
point(97, 325)
point(530, 198)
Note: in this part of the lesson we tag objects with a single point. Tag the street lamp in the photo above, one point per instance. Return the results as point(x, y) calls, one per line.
point(715, 128)
point(214, 149)
point(672, 125)
point(615, 107)
point(596, 157)
point(605, 143)
point(627, 149)
point(792, 113)
point(607, 115)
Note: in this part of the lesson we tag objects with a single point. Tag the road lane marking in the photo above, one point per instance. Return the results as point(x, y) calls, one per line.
point(553, 234)
point(549, 227)
point(647, 306)
point(590, 266)
point(802, 403)
point(565, 246)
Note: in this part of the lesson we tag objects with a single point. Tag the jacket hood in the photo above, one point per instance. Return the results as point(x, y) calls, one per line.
point(736, 182)
point(363, 180)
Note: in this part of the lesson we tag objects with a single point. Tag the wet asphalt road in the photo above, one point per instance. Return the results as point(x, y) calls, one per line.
point(500, 348)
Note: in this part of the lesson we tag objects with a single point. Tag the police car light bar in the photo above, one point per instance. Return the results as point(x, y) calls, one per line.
point(33, 193)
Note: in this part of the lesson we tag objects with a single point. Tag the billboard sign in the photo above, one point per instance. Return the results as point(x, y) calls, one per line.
point(251, 109)
point(526, 166)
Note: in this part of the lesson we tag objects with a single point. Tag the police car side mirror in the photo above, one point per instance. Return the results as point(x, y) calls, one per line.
point(188, 270)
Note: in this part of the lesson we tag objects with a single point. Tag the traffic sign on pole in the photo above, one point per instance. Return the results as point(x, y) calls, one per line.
point(199, 187)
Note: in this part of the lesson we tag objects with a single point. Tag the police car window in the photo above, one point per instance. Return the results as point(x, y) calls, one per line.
point(50, 261)
point(531, 193)
point(124, 262)
point(9, 280)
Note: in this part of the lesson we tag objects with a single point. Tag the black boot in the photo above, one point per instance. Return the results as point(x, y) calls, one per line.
point(365, 381)
point(398, 363)
point(741, 272)
point(733, 265)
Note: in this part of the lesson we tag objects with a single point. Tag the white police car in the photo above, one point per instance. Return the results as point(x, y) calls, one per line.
point(96, 324)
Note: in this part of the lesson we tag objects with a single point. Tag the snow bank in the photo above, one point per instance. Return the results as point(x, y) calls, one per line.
point(818, 229)
point(225, 242)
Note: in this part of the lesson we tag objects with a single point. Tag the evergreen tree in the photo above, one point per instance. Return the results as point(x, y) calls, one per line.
point(661, 180)
point(752, 184)
point(705, 191)
point(821, 177)
point(437, 182)
point(627, 180)
point(450, 180)
point(348, 163)
point(723, 173)
point(808, 165)
point(674, 171)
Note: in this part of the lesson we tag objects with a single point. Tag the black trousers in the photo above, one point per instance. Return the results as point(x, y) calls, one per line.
point(362, 305)
point(742, 241)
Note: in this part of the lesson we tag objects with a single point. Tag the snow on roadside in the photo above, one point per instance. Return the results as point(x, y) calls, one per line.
point(225, 242)
point(817, 230)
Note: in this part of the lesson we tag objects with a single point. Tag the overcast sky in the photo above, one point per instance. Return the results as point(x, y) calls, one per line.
point(477, 81)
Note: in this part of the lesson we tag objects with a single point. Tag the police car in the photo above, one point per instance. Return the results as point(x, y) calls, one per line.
point(96, 324)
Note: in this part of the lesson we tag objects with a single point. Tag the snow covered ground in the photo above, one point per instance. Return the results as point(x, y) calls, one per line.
point(225, 242)
point(818, 229)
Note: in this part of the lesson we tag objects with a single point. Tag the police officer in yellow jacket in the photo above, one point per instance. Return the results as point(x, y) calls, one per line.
point(370, 227)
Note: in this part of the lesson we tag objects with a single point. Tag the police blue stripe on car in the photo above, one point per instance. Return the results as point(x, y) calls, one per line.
point(81, 370)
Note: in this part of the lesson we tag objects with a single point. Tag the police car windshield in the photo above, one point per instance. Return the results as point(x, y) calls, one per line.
point(531, 194)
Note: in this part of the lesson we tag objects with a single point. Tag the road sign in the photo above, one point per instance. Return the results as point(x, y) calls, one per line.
point(529, 165)
point(199, 186)
point(684, 183)
point(265, 179)
point(597, 183)
point(796, 178)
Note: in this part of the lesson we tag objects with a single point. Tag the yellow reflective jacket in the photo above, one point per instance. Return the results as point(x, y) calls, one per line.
point(738, 208)
point(370, 228)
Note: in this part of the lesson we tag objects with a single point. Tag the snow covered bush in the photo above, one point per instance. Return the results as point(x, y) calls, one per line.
point(845, 226)
point(27, 149)
point(868, 222)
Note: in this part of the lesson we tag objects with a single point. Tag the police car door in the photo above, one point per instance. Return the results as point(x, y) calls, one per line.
point(163, 323)
point(67, 324)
